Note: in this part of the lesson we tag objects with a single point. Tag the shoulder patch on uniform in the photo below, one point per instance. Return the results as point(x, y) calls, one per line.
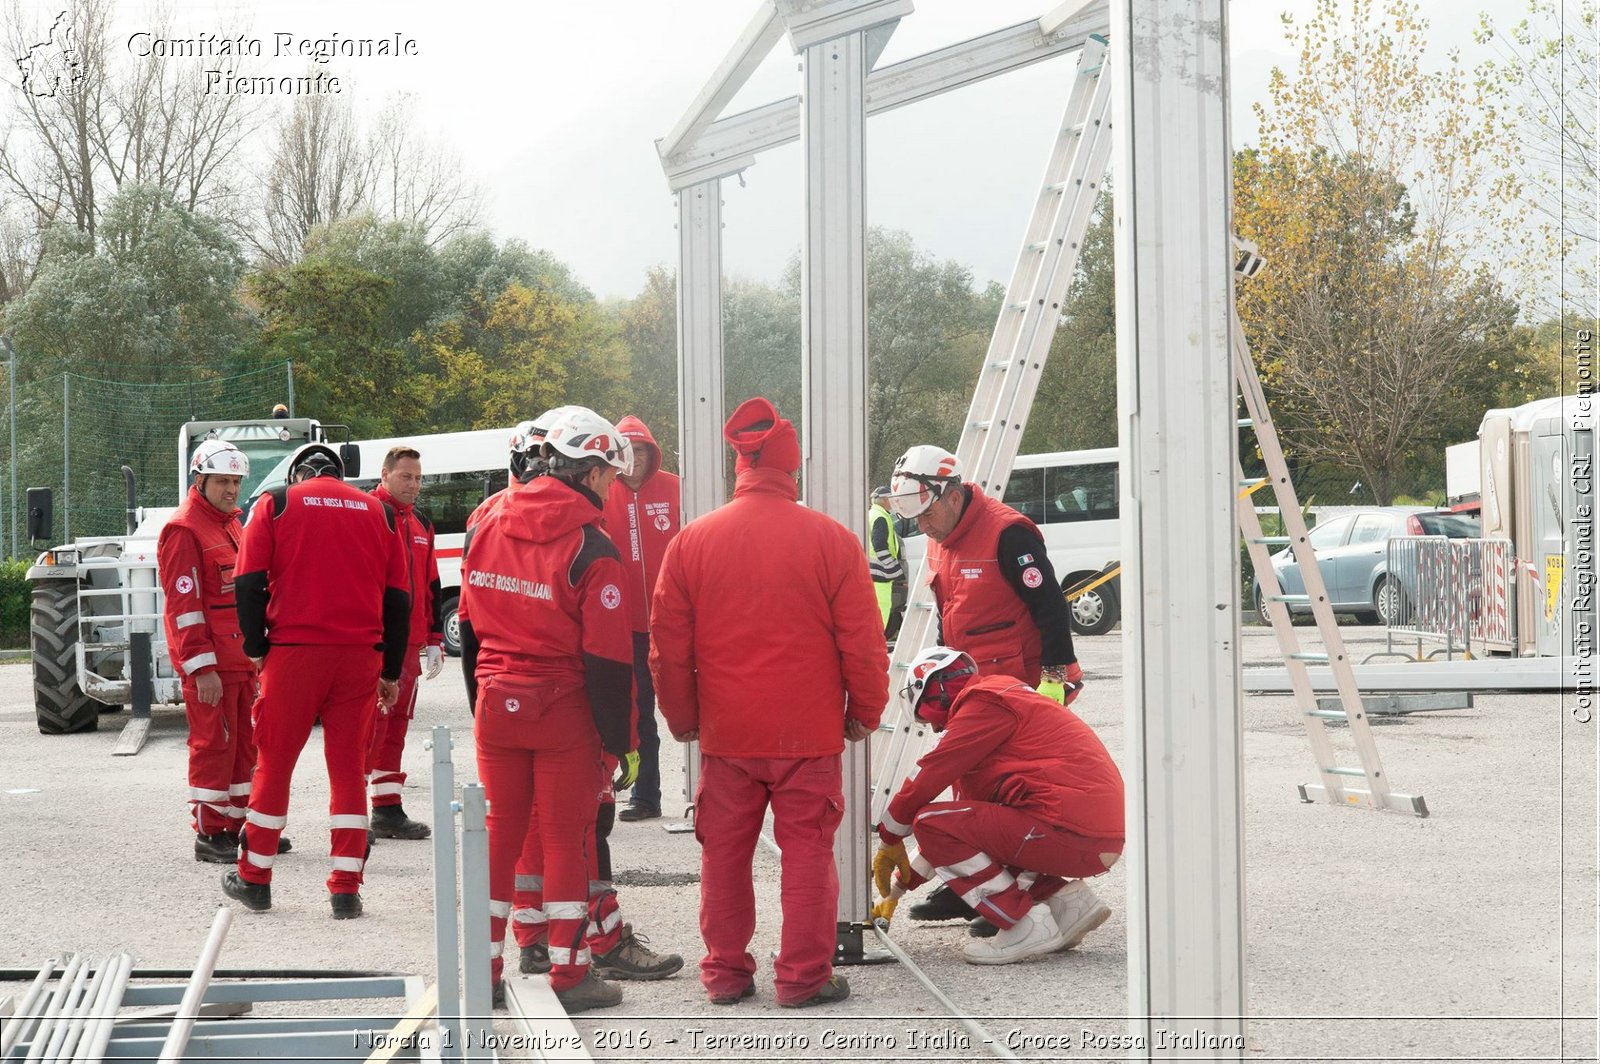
point(1025, 559)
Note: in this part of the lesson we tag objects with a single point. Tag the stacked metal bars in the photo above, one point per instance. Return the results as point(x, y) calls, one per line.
point(72, 1022)
point(1014, 362)
point(470, 970)
point(1334, 775)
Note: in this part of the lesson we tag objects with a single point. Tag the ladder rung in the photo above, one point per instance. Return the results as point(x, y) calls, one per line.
point(1272, 541)
point(1250, 482)
point(1307, 655)
point(1326, 714)
point(1039, 245)
point(979, 424)
point(1339, 771)
point(1092, 70)
point(1018, 306)
point(1289, 598)
point(1073, 131)
point(924, 605)
point(1245, 422)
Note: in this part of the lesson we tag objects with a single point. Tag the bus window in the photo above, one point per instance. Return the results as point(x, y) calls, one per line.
point(449, 498)
point(1025, 494)
point(1081, 493)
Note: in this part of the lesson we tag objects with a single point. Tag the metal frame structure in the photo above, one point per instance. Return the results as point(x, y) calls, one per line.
point(1176, 403)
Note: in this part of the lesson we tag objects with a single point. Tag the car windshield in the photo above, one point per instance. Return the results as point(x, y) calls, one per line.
point(1455, 526)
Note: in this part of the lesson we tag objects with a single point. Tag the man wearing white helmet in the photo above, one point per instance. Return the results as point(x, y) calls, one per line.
point(545, 592)
point(1038, 809)
point(196, 553)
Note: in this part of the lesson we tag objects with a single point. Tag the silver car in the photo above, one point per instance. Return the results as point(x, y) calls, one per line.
point(1352, 554)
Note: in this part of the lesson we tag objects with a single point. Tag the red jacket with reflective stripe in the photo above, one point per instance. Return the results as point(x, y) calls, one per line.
point(1007, 743)
point(327, 558)
point(422, 571)
point(547, 597)
point(765, 627)
point(641, 523)
point(196, 553)
point(979, 612)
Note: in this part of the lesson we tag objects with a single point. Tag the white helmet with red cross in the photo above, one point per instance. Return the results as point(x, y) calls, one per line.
point(934, 678)
point(219, 458)
point(922, 476)
point(577, 434)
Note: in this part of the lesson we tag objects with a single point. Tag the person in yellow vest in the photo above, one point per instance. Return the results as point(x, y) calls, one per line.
point(883, 560)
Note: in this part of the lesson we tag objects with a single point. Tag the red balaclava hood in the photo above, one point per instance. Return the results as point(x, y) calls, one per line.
point(761, 438)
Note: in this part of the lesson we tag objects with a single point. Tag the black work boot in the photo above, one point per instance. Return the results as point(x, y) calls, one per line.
point(221, 848)
point(942, 904)
point(391, 822)
point(284, 845)
point(345, 906)
point(535, 959)
point(257, 897)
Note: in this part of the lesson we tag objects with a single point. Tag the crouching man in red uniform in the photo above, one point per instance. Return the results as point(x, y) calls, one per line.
point(1038, 808)
point(543, 592)
point(197, 550)
point(323, 608)
point(767, 646)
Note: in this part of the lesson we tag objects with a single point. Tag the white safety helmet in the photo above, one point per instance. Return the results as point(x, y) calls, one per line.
point(219, 458)
point(926, 694)
point(922, 476)
point(578, 433)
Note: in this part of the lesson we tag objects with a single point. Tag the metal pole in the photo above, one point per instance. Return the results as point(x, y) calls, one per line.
point(66, 458)
point(95, 1040)
point(11, 381)
point(69, 1009)
point(47, 1022)
point(189, 1008)
point(289, 367)
point(11, 1033)
point(475, 921)
point(85, 1008)
point(974, 1028)
point(446, 941)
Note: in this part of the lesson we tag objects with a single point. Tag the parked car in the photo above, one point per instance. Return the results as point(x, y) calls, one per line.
point(1352, 554)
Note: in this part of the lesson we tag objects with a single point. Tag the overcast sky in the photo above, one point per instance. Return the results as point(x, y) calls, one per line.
point(555, 107)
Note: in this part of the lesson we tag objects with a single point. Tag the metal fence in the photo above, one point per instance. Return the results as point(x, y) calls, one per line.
point(1459, 591)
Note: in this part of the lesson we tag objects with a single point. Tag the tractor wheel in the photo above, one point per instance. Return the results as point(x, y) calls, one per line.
point(61, 706)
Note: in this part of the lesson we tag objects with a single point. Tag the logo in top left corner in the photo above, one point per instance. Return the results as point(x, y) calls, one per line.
point(52, 63)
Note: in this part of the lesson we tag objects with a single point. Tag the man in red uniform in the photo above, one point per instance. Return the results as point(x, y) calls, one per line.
point(197, 551)
point(996, 593)
point(545, 594)
point(642, 516)
point(399, 485)
point(772, 712)
point(324, 611)
point(1038, 808)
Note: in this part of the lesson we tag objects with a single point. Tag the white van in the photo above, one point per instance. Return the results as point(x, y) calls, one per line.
point(1073, 497)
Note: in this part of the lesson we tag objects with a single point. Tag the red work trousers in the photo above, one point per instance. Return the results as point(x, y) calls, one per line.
point(384, 778)
point(222, 753)
point(299, 684)
point(1000, 859)
point(539, 757)
point(807, 802)
point(528, 924)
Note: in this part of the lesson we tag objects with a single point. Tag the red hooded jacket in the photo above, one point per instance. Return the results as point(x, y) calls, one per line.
point(422, 570)
point(765, 632)
point(547, 596)
point(1007, 743)
point(641, 523)
point(978, 610)
point(197, 551)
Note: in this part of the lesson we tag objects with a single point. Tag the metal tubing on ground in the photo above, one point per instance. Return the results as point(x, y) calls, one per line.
point(47, 1022)
point(475, 959)
point(85, 1009)
point(93, 1046)
point(446, 942)
point(189, 1008)
point(27, 1010)
point(69, 1010)
point(976, 1029)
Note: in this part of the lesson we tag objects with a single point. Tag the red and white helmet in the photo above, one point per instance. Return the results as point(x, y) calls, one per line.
point(577, 433)
point(921, 478)
point(219, 458)
point(933, 679)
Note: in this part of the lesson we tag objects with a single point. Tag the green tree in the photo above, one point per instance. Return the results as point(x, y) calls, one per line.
point(648, 325)
point(1076, 405)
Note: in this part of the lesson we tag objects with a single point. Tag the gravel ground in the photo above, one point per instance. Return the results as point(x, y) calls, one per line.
point(1465, 936)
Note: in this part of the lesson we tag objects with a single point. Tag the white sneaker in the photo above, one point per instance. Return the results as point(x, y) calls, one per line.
point(1077, 911)
point(1033, 936)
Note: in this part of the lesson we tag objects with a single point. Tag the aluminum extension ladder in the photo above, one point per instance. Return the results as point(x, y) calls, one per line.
point(1013, 364)
point(1334, 787)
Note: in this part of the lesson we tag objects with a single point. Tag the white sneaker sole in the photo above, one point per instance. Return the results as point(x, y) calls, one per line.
point(1040, 949)
point(1075, 934)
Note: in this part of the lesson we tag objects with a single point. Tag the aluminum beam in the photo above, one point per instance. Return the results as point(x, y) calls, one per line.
point(731, 144)
point(1177, 412)
point(747, 53)
point(1477, 674)
point(810, 23)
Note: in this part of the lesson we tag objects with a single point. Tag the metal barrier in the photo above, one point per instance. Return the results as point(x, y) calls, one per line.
point(1459, 591)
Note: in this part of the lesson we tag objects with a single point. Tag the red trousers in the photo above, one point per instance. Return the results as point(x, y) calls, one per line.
point(731, 802)
point(299, 684)
point(539, 758)
point(222, 754)
point(1000, 859)
point(384, 778)
point(528, 924)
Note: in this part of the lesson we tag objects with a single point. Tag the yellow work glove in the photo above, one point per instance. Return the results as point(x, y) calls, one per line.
point(627, 771)
point(885, 863)
point(1054, 691)
point(884, 910)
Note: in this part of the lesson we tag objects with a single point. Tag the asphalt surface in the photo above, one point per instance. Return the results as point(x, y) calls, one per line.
point(1469, 935)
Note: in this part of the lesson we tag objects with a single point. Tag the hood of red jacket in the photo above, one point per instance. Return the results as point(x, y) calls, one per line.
point(764, 481)
point(646, 452)
point(546, 509)
point(383, 495)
